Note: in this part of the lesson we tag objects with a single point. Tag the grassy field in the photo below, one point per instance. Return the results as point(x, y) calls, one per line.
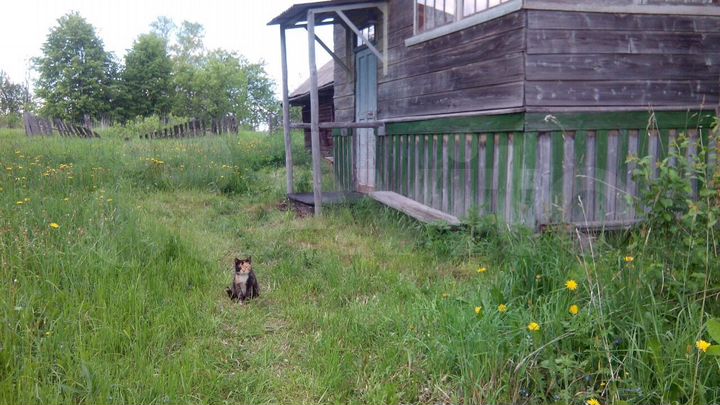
point(114, 258)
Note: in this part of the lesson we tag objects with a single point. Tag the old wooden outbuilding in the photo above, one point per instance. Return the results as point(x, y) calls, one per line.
point(300, 97)
point(526, 109)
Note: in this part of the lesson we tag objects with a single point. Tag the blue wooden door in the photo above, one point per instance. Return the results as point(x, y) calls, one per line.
point(365, 110)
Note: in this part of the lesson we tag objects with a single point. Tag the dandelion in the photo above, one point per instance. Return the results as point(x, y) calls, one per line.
point(592, 401)
point(53, 225)
point(629, 259)
point(482, 270)
point(478, 310)
point(66, 199)
point(20, 202)
point(571, 285)
point(109, 200)
point(574, 309)
point(502, 308)
point(533, 327)
point(702, 345)
point(445, 295)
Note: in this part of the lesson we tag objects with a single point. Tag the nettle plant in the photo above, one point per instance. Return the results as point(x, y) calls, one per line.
point(679, 194)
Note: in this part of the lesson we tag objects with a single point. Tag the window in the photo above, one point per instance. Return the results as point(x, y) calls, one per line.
point(430, 14)
point(369, 33)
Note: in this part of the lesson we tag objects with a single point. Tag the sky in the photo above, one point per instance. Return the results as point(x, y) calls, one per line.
point(234, 25)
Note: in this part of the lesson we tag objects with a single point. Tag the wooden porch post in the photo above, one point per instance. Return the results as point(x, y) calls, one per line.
point(286, 113)
point(314, 114)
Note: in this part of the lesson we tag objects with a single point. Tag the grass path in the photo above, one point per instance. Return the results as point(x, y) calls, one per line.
point(329, 325)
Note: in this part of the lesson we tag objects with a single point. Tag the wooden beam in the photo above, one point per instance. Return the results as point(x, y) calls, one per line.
point(314, 115)
point(339, 125)
point(286, 112)
point(360, 35)
point(332, 54)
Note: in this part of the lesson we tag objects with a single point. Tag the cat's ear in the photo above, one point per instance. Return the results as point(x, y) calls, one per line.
point(249, 259)
point(237, 261)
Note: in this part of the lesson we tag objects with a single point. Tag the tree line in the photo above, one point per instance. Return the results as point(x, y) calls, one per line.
point(167, 72)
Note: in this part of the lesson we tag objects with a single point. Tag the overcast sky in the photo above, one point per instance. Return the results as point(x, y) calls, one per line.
point(236, 25)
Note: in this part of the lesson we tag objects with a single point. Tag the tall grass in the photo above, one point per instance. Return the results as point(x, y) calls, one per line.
point(124, 302)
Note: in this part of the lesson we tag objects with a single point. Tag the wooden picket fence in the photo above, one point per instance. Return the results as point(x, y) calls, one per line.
point(38, 126)
point(195, 128)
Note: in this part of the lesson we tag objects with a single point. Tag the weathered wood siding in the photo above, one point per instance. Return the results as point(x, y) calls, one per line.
point(327, 114)
point(344, 95)
point(599, 60)
point(480, 68)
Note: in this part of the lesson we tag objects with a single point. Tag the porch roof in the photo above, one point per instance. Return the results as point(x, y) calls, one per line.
point(298, 12)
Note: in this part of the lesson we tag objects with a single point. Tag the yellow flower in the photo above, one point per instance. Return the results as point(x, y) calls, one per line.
point(53, 225)
point(109, 200)
point(592, 401)
point(533, 327)
point(20, 203)
point(571, 285)
point(478, 310)
point(66, 199)
point(445, 295)
point(629, 259)
point(482, 270)
point(574, 309)
point(502, 308)
point(702, 345)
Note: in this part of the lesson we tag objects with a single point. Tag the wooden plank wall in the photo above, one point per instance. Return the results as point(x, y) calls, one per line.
point(480, 68)
point(543, 175)
point(621, 60)
point(344, 87)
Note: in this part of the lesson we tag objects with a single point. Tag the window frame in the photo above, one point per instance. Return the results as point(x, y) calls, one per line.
point(462, 23)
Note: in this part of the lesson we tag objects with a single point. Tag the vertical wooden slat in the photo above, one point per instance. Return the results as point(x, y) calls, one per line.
point(436, 176)
point(543, 178)
point(621, 205)
point(489, 173)
point(458, 187)
point(517, 177)
point(591, 173)
point(509, 178)
point(556, 176)
point(427, 193)
point(411, 167)
point(568, 178)
point(691, 156)
point(409, 152)
point(502, 141)
point(633, 145)
point(418, 172)
point(528, 178)
point(495, 173)
point(445, 174)
point(482, 171)
point(601, 191)
point(653, 151)
point(386, 159)
point(611, 194)
point(379, 162)
point(579, 198)
point(468, 162)
point(672, 145)
point(402, 161)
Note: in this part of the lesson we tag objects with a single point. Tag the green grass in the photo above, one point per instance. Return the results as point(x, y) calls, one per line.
point(125, 301)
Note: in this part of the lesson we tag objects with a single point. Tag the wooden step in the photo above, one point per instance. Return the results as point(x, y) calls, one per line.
point(413, 208)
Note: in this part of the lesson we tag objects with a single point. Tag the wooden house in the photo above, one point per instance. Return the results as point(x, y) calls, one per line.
point(300, 97)
point(524, 109)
